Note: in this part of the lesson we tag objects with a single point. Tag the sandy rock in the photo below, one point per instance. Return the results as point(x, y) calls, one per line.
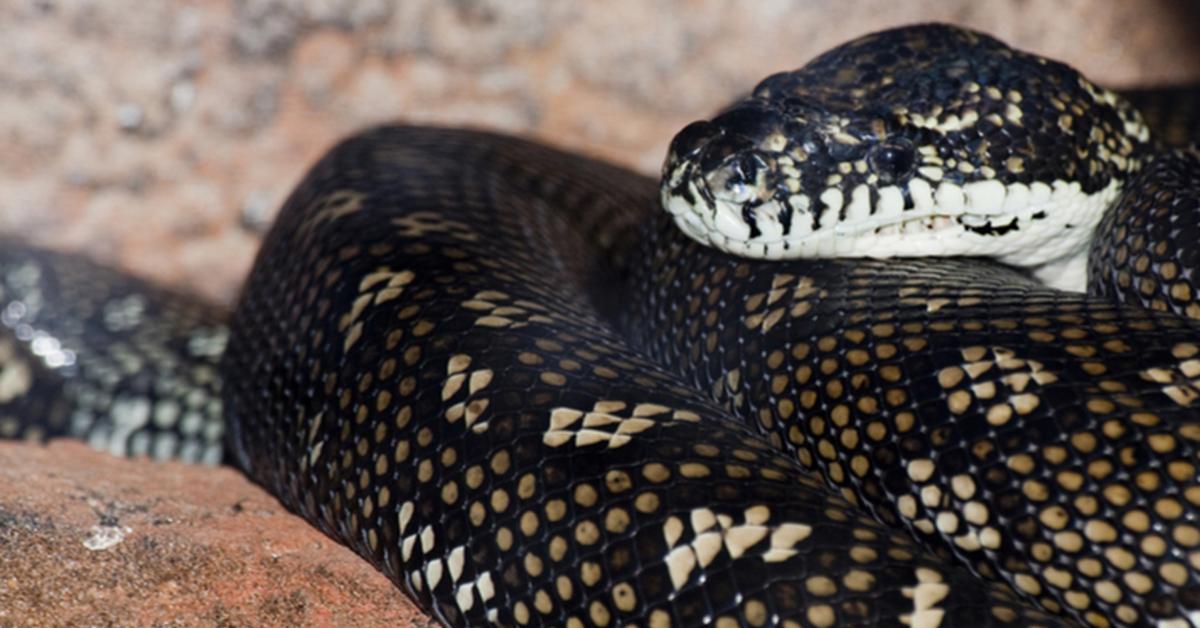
point(88, 539)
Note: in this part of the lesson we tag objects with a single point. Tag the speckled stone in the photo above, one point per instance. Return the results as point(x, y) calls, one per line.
point(89, 539)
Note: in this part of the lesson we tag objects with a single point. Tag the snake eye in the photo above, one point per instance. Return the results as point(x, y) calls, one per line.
point(893, 160)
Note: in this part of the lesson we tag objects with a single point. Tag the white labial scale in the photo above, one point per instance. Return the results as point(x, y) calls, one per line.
point(891, 202)
point(1017, 198)
point(801, 217)
point(858, 212)
point(832, 200)
point(950, 199)
point(692, 225)
point(985, 197)
point(767, 220)
point(697, 224)
point(777, 250)
point(729, 221)
point(1039, 193)
point(826, 246)
point(890, 210)
point(859, 209)
point(922, 195)
point(676, 206)
point(740, 247)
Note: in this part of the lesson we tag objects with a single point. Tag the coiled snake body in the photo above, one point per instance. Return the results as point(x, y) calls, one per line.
point(503, 376)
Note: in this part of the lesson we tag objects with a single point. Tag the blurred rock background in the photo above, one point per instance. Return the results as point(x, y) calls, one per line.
point(91, 540)
point(162, 135)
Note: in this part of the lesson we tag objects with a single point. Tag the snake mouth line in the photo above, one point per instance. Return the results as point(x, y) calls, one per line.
point(1021, 224)
point(706, 225)
point(935, 227)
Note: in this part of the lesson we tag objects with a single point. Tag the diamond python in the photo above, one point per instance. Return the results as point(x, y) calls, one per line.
point(499, 373)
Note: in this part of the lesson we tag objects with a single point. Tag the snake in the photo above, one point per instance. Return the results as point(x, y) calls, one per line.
point(905, 337)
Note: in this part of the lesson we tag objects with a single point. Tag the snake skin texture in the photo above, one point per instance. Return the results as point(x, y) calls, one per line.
point(1045, 438)
point(90, 353)
point(417, 369)
point(1139, 257)
point(502, 375)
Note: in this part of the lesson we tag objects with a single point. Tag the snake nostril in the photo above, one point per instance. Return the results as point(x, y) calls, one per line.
point(740, 178)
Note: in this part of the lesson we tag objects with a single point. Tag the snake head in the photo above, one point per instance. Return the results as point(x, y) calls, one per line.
point(917, 141)
point(730, 166)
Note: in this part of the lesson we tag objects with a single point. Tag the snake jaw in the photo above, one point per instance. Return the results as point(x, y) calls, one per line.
point(1044, 227)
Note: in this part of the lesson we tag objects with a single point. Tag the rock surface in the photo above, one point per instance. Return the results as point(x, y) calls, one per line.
point(91, 540)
